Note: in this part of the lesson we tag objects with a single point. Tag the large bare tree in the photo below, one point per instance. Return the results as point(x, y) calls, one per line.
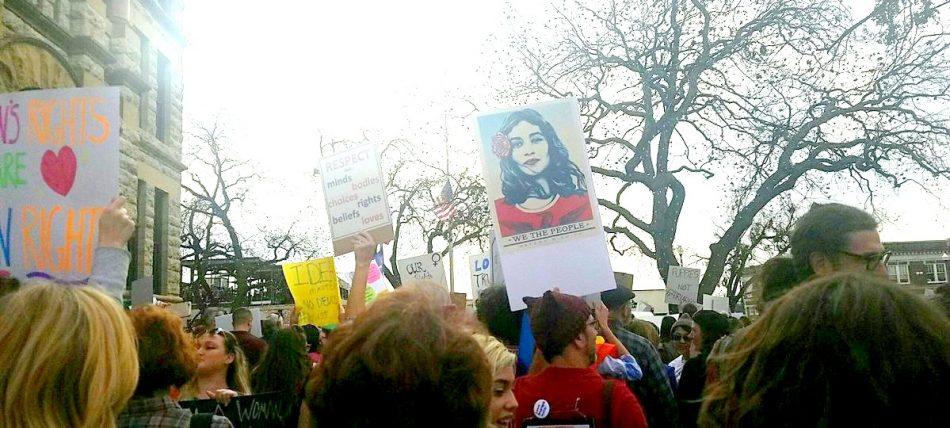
point(765, 96)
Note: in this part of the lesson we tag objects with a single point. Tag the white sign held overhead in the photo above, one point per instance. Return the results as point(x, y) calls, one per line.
point(682, 285)
point(481, 267)
point(425, 267)
point(716, 303)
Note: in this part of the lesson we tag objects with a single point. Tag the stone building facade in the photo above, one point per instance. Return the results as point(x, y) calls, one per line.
point(135, 45)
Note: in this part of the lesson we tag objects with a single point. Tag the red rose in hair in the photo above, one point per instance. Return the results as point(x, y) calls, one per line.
point(500, 145)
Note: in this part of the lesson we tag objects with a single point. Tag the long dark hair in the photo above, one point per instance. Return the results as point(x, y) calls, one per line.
point(563, 177)
point(284, 366)
point(843, 350)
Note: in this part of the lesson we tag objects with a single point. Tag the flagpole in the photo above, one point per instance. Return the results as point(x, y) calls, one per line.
point(445, 130)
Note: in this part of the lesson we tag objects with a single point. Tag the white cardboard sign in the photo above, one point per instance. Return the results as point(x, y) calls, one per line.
point(355, 192)
point(716, 303)
point(424, 267)
point(682, 285)
point(481, 267)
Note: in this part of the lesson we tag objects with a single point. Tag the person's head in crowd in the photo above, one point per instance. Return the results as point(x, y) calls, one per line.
point(503, 405)
point(67, 357)
point(682, 336)
point(204, 322)
point(167, 356)
point(775, 278)
point(285, 364)
point(8, 284)
point(666, 328)
point(734, 324)
point(646, 330)
point(269, 327)
point(493, 310)
point(241, 319)
point(708, 327)
point(856, 350)
point(835, 238)
point(221, 363)
point(689, 309)
point(417, 366)
point(564, 329)
point(617, 300)
point(312, 333)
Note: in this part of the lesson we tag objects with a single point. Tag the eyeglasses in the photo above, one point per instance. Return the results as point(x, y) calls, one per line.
point(872, 260)
point(681, 338)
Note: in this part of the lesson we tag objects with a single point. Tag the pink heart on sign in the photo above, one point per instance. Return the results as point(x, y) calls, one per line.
point(59, 171)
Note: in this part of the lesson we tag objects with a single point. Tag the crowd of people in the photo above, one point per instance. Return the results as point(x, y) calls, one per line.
point(837, 344)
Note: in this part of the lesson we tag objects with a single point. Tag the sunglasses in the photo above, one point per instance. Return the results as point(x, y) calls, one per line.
point(872, 260)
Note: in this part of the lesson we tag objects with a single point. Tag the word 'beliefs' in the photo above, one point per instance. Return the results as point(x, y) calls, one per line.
point(38, 252)
point(58, 122)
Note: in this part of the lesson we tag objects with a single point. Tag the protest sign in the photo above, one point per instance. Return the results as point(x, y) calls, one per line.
point(59, 167)
point(481, 267)
point(424, 267)
point(273, 409)
point(716, 303)
point(316, 291)
point(542, 201)
point(355, 192)
point(682, 285)
point(142, 292)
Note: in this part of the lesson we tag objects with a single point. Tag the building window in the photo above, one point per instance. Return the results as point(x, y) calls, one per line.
point(899, 273)
point(936, 272)
point(160, 242)
point(162, 103)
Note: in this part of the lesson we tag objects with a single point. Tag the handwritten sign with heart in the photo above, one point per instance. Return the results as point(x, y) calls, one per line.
point(59, 166)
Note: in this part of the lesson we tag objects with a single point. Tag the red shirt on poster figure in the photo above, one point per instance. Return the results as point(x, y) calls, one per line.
point(565, 210)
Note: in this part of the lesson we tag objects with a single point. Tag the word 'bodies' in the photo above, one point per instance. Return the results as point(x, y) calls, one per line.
point(59, 166)
point(356, 197)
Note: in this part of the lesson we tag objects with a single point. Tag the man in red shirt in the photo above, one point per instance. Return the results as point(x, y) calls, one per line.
point(569, 390)
point(252, 346)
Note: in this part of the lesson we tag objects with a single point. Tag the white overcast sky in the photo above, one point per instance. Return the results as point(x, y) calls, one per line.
point(279, 76)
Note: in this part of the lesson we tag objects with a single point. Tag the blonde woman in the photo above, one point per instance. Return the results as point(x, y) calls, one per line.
point(501, 410)
point(67, 357)
point(222, 369)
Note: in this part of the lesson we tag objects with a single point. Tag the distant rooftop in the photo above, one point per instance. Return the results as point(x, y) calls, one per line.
point(919, 246)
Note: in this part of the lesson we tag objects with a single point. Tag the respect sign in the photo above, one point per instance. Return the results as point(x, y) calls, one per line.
point(424, 267)
point(355, 192)
point(59, 167)
point(682, 285)
point(316, 291)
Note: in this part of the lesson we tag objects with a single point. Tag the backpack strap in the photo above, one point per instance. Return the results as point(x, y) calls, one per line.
point(608, 394)
point(201, 420)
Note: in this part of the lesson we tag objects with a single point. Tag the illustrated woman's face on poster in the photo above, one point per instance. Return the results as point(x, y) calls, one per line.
point(529, 148)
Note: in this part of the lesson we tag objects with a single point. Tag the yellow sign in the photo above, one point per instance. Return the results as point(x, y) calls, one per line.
point(316, 291)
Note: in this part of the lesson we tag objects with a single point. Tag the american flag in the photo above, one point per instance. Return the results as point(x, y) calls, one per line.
point(445, 207)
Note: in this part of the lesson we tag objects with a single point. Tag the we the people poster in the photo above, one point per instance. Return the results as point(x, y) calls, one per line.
point(537, 176)
point(59, 167)
point(542, 200)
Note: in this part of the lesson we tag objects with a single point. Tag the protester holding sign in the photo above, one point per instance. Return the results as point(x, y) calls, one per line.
point(167, 360)
point(364, 248)
point(67, 359)
point(222, 368)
